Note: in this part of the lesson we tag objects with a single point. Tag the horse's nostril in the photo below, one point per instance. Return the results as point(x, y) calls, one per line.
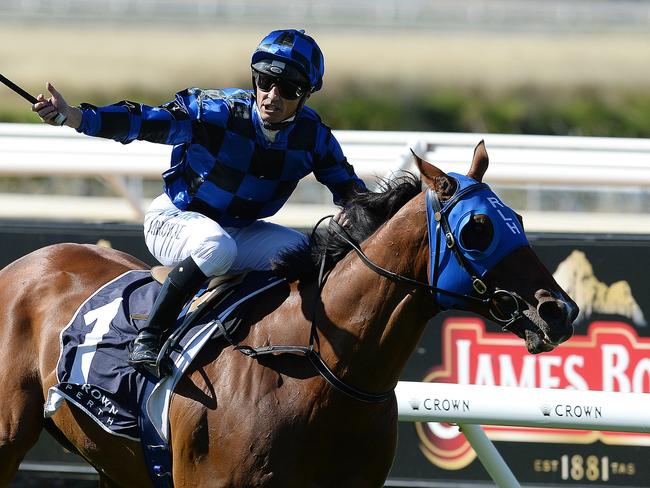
point(552, 311)
point(559, 316)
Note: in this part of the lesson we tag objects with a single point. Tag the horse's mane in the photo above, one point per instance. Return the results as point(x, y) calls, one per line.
point(365, 212)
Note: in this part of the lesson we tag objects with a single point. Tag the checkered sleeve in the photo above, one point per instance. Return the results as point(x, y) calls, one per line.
point(333, 169)
point(125, 121)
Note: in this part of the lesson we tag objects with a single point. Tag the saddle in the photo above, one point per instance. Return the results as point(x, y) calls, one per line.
point(217, 286)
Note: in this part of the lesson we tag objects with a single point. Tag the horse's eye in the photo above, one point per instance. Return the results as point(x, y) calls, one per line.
point(477, 233)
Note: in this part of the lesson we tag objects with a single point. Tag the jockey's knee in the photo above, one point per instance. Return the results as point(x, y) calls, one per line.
point(215, 255)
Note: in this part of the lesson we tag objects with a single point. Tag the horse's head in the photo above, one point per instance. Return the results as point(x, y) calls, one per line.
point(481, 261)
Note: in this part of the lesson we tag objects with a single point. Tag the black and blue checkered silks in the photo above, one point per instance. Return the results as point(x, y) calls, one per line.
point(222, 165)
point(297, 49)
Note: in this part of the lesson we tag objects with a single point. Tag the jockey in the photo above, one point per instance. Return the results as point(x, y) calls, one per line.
point(237, 157)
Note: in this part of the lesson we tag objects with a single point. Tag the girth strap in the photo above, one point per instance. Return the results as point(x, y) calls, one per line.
point(314, 358)
point(317, 361)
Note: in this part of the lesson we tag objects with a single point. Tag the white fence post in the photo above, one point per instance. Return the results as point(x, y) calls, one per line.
point(490, 458)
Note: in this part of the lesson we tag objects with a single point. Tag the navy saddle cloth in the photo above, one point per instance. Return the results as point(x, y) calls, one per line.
point(92, 371)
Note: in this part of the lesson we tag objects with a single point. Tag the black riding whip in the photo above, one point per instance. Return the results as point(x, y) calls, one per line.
point(59, 119)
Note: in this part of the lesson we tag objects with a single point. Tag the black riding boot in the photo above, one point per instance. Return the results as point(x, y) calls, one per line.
point(182, 282)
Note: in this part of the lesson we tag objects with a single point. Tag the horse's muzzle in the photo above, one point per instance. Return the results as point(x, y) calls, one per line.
point(558, 313)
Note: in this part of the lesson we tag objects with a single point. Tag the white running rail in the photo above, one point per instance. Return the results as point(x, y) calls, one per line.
point(33, 149)
point(584, 162)
point(472, 405)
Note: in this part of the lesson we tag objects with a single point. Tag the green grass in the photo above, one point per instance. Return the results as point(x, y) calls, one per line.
point(583, 84)
point(522, 111)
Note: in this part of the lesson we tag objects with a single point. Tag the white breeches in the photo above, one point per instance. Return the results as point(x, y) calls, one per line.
point(172, 235)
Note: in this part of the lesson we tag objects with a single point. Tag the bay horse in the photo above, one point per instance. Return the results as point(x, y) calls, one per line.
point(273, 421)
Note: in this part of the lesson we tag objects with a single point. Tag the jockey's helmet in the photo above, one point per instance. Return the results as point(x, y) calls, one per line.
point(293, 55)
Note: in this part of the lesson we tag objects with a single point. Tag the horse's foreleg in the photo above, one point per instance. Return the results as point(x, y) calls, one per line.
point(21, 414)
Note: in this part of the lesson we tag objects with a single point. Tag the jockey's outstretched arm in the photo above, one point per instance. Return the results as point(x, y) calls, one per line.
point(124, 121)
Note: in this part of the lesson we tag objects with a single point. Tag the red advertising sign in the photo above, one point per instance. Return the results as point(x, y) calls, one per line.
point(611, 357)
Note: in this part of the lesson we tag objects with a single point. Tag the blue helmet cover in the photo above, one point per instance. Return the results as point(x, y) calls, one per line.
point(508, 236)
point(297, 49)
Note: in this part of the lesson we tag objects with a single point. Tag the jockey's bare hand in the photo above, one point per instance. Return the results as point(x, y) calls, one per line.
point(48, 108)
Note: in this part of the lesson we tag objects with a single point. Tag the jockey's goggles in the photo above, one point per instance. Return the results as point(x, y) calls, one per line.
point(287, 89)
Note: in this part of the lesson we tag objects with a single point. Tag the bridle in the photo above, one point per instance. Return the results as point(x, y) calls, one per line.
point(438, 217)
point(489, 296)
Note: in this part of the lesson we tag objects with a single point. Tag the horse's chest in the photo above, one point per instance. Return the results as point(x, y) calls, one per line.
point(285, 427)
point(321, 445)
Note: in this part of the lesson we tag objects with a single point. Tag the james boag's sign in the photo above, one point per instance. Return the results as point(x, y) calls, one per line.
point(610, 356)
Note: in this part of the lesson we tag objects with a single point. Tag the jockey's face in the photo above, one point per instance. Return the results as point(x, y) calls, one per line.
point(273, 107)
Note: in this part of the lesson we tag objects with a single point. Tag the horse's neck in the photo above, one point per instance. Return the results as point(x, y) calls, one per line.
point(374, 323)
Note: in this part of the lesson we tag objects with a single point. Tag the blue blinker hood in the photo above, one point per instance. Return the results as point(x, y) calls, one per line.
point(453, 267)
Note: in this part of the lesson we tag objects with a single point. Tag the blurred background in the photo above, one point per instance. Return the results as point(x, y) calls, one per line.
point(570, 68)
point(578, 67)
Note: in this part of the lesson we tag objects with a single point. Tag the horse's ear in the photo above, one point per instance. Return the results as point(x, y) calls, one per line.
point(428, 172)
point(479, 162)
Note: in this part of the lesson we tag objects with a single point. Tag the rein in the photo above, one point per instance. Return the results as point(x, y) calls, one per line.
point(440, 215)
point(478, 285)
point(310, 351)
